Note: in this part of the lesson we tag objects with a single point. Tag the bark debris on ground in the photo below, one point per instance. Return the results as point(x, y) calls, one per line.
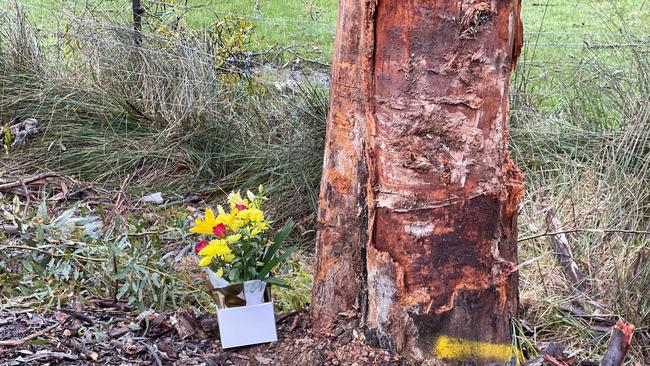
point(113, 334)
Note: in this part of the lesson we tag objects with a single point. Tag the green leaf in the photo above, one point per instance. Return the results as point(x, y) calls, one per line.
point(7, 138)
point(60, 221)
point(268, 266)
point(276, 281)
point(123, 290)
point(278, 240)
point(233, 276)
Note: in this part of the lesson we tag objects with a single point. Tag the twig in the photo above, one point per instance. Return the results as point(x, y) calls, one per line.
point(27, 198)
point(152, 352)
point(90, 259)
point(21, 182)
point(563, 253)
point(58, 255)
point(554, 361)
point(89, 355)
point(50, 355)
point(20, 342)
point(606, 231)
point(77, 315)
point(618, 344)
point(144, 233)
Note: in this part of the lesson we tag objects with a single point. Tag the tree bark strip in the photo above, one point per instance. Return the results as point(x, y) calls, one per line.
point(563, 252)
point(418, 195)
point(618, 344)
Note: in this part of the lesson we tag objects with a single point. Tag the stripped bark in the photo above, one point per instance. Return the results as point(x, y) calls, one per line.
point(563, 253)
point(418, 196)
point(618, 344)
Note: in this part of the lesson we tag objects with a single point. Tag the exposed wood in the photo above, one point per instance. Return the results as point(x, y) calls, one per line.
point(563, 253)
point(419, 197)
point(618, 344)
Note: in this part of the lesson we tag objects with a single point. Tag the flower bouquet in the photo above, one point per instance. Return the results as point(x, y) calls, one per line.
point(239, 255)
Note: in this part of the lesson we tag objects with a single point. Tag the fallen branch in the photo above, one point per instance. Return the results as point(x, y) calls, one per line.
point(20, 342)
point(563, 253)
point(618, 344)
point(78, 315)
point(22, 182)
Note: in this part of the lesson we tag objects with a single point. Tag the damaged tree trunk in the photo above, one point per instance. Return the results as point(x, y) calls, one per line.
point(419, 197)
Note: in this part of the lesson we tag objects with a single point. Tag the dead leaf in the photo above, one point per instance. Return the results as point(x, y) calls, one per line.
point(131, 348)
point(168, 350)
point(187, 325)
point(118, 332)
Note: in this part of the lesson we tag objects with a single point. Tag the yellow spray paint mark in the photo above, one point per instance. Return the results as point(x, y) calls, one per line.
point(463, 349)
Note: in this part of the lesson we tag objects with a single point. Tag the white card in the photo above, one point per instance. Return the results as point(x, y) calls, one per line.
point(245, 325)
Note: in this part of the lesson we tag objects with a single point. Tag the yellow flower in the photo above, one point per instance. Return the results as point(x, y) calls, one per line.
point(205, 225)
point(233, 238)
point(219, 272)
point(235, 199)
point(256, 215)
point(205, 261)
point(218, 247)
point(209, 222)
point(259, 228)
point(251, 215)
point(230, 220)
point(228, 258)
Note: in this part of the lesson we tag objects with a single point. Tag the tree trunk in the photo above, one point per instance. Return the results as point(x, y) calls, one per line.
point(418, 204)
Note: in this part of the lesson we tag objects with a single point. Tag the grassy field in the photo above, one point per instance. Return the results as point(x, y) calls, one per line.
point(559, 29)
point(580, 131)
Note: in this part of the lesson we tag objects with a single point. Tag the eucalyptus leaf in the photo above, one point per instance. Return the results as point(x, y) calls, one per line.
point(62, 219)
point(123, 290)
point(41, 213)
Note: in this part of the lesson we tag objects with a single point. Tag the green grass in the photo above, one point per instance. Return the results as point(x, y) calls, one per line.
point(558, 27)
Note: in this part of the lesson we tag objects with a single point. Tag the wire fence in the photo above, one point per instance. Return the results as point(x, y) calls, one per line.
point(302, 29)
point(544, 49)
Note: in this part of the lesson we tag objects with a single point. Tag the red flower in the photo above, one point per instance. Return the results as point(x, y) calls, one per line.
point(220, 230)
point(200, 245)
point(241, 207)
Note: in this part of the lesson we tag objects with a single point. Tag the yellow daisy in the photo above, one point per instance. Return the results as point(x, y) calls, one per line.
point(205, 225)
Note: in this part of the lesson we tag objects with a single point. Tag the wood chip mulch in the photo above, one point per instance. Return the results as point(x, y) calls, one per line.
point(111, 334)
